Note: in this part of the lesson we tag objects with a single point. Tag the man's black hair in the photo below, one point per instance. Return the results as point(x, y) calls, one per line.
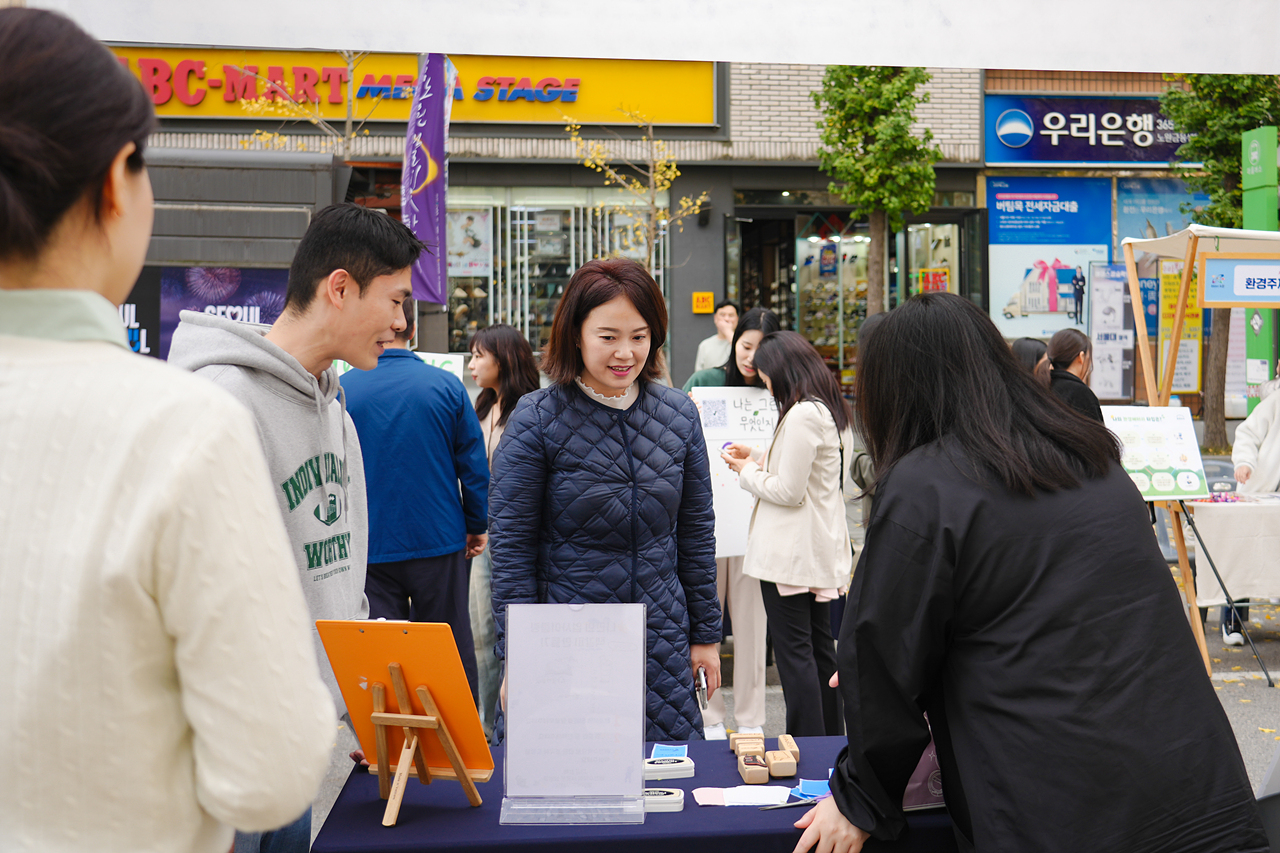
point(727, 303)
point(366, 243)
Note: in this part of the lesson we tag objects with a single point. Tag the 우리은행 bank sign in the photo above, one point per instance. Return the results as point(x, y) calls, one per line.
point(1022, 130)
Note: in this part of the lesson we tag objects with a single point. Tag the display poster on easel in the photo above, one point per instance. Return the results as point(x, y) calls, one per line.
point(1160, 452)
point(575, 713)
point(746, 416)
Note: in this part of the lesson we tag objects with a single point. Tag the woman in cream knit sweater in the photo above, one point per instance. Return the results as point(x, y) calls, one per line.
point(798, 545)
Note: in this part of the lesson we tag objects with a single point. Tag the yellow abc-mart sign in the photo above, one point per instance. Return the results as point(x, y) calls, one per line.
point(218, 83)
point(533, 90)
point(213, 83)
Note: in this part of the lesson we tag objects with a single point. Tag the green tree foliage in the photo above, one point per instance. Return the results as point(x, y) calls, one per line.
point(1218, 108)
point(878, 165)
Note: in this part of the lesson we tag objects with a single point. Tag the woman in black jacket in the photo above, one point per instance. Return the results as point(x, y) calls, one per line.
point(1011, 590)
point(1071, 354)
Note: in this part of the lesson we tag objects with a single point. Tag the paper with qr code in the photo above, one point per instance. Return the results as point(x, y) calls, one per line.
point(745, 416)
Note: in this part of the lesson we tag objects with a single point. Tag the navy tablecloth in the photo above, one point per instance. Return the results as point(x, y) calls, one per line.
point(437, 816)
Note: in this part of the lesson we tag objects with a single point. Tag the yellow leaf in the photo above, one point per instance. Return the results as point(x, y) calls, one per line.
point(1246, 700)
point(1217, 660)
point(1236, 668)
point(1269, 731)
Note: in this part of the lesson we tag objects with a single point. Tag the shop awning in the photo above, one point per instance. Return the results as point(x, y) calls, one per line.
point(1227, 36)
point(1211, 240)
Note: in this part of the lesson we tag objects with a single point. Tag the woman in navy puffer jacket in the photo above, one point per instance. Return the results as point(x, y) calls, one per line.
point(601, 490)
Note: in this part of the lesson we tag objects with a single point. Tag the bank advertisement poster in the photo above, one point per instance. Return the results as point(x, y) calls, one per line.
point(1159, 450)
point(1111, 331)
point(746, 416)
point(1186, 373)
point(1147, 208)
point(470, 240)
point(247, 295)
point(1044, 235)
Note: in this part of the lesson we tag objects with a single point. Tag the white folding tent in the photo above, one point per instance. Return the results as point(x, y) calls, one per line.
point(1226, 36)
point(1184, 244)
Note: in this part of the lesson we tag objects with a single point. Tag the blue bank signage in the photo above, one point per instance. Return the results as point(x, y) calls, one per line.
point(1077, 131)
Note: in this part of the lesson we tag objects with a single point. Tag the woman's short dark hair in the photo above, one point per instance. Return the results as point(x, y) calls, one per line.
point(938, 367)
point(67, 107)
point(757, 319)
point(517, 371)
point(797, 373)
point(1029, 352)
point(594, 284)
point(1066, 345)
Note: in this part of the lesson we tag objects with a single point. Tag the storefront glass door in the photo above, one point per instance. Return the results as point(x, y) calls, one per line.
point(513, 250)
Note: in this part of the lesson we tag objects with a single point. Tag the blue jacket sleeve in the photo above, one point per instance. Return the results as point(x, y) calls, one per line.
point(696, 537)
point(516, 497)
point(471, 465)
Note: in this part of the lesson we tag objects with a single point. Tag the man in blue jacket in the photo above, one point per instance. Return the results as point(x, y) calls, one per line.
point(428, 487)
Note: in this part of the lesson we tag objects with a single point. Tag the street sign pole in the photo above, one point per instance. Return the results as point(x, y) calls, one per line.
point(1258, 174)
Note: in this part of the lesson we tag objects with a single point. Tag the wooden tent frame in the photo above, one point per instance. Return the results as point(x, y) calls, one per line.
point(1161, 396)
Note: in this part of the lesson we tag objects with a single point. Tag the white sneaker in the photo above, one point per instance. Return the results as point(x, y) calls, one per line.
point(751, 730)
point(715, 732)
point(1232, 638)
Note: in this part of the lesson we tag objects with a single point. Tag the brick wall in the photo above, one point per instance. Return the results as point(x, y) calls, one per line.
point(772, 102)
point(1076, 82)
point(954, 112)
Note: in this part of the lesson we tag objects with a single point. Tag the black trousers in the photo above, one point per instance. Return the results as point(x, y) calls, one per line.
point(805, 651)
point(431, 589)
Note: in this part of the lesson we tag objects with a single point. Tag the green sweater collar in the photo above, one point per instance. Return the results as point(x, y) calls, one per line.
point(60, 315)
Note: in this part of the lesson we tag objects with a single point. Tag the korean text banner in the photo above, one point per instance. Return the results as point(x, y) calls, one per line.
point(425, 178)
point(1045, 233)
point(1152, 207)
point(1240, 280)
point(1077, 130)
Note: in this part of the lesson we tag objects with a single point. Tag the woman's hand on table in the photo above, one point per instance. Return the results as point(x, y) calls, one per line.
point(827, 828)
point(708, 657)
point(736, 456)
point(1242, 474)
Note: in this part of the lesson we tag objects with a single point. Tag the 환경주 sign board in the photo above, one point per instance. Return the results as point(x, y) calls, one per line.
point(1250, 280)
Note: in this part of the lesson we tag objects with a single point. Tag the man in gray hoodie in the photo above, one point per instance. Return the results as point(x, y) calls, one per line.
point(346, 285)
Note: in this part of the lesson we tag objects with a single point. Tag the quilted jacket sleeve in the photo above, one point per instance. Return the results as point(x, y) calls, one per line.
point(696, 537)
point(515, 514)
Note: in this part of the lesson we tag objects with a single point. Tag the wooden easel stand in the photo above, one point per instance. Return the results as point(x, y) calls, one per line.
point(415, 727)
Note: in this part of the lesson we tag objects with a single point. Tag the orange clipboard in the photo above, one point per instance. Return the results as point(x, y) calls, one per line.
point(360, 652)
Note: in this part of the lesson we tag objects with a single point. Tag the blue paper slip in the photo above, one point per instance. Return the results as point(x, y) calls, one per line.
point(666, 750)
point(810, 788)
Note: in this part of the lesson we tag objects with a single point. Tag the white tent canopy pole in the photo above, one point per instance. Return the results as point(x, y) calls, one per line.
point(1225, 36)
point(1223, 240)
point(1184, 243)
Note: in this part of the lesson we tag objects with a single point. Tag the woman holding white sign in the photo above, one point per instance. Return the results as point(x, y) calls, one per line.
point(742, 592)
point(798, 545)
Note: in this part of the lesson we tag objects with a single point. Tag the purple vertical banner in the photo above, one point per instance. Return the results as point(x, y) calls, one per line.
point(425, 177)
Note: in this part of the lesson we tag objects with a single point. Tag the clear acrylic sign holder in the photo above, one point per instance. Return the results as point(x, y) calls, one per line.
point(575, 714)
